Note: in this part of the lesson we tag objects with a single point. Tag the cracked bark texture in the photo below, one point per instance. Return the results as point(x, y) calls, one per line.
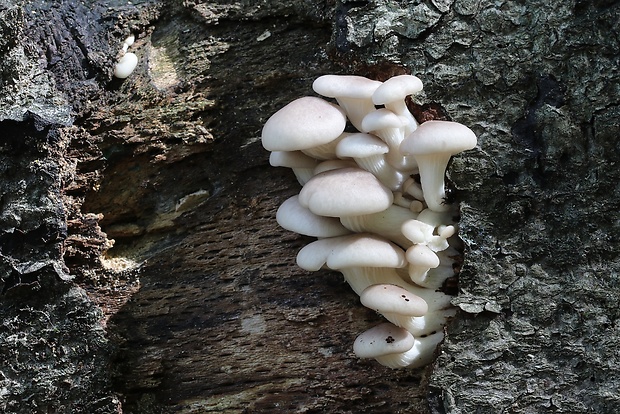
point(142, 270)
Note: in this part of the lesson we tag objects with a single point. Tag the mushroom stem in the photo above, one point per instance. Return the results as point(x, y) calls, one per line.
point(432, 173)
point(400, 109)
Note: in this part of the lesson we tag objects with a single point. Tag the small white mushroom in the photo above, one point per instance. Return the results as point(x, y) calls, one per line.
point(432, 144)
point(126, 65)
point(395, 303)
point(386, 343)
point(392, 94)
point(301, 164)
point(368, 151)
point(353, 94)
point(294, 217)
point(420, 259)
point(391, 129)
point(386, 223)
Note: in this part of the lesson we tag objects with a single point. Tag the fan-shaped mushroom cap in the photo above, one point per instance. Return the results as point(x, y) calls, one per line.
point(393, 299)
point(353, 93)
point(355, 250)
point(396, 88)
point(304, 123)
point(294, 217)
point(360, 145)
point(392, 94)
point(386, 343)
point(345, 192)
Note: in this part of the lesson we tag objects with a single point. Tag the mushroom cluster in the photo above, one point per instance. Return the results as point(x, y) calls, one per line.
point(375, 199)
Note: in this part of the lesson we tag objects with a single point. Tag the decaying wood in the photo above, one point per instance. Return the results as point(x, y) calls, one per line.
point(141, 267)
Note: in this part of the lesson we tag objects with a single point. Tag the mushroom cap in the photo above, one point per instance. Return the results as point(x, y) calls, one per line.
point(383, 339)
point(126, 65)
point(421, 255)
point(345, 192)
point(381, 119)
point(361, 145)
point(346, 86)
point(291, 159)
point(417, 231)
point(330, 165)
point(393, 299)
point(433, 137)
point(304, 123)
point(294, 217)
point(354, 250)
point(397, 88)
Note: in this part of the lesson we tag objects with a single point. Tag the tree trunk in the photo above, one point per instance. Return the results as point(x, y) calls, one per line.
point(142, 270)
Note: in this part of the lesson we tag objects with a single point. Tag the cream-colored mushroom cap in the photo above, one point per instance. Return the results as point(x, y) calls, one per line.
point(294, 217)
point(434, 137)
point(432, 144)
point(420, 255)
point(345, 192)
point(355, 250)
point(393, 299)
point(361, 145)
point(348, 86)
point(304, 123)
point(382, 340)
point(397, 88)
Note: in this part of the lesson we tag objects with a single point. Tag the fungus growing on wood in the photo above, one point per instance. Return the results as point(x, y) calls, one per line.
point(362, 198)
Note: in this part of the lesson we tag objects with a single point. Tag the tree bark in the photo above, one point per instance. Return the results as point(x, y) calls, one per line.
point(142, 269)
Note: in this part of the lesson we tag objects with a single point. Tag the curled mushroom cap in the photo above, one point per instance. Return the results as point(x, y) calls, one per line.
point(345, 192)
point(304, 123)
point(421, 259)
point(353, 93)
point(386, 343)
point(392, 299)
point(294, 217)
point(432, 145)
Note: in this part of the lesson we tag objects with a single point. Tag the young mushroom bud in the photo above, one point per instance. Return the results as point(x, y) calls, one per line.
point(420, 259)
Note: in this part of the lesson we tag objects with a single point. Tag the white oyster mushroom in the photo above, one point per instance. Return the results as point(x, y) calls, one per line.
point(353, 94)
point(301, 164)
point(345, 192)
point(368, 152)
point(392, 95)
point(294, 217)
point(386, 223)
point(432, 144)
point(421, 259)
point(395, 303)
point(390, 128)
point(304, 123)
point(126, 65)
point(387, 344)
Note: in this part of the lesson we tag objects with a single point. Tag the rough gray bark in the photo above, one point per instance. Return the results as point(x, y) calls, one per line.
point(199, 307)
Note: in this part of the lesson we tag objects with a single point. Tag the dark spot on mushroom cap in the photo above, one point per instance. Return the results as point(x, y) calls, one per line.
point(389, 339)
